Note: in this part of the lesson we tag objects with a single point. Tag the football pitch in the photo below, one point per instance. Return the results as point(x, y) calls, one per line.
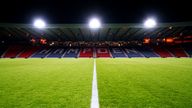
point(122, 83)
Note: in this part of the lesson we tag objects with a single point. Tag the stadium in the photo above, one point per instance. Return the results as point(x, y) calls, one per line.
point(96, 64)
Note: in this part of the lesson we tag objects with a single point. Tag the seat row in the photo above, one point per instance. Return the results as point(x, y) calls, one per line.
point(115, 52)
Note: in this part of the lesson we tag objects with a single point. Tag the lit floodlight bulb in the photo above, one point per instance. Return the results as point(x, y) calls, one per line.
point(94, 23)
point(150, 23)
point(39, 23)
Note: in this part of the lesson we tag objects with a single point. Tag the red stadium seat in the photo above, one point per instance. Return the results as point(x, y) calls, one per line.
point(28, 52)
point(102, 52)
point(13, 51)
point(163, 52)
point(86, 52)
point(178, 51)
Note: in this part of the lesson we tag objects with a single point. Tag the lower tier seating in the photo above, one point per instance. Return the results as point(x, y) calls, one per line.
point(13, 51)
point(102, 52)
point(147, 52)
point(177, 51)
point(131, 52)
point(163, 52)
point(28, 52)
point(86, 52)
point(115, 52)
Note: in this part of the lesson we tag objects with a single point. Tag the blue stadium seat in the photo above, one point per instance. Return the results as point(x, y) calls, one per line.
point(117, 52)
point(41, 53)
point(72, 53)
point(56, 53)
point(132, 52)
point(147, 52)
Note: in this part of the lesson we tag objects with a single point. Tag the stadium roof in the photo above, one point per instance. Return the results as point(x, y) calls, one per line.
point(81, 32)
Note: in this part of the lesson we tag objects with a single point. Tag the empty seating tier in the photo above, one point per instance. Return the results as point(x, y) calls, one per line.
point(177, 51)
point(102, 52)
point(163, 52)
point(86, 52)
point(28, 52)
point(13, 51)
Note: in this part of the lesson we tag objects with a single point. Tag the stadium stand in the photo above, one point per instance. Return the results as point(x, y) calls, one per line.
point(177, 51)
point(56, 53)
point(163, 52)
point(86, 52)
point(117, 52)
point(131, 52)
point(146, 51)
point(13, 51)
point(28, 52)
point(102, 52)
point(2, 50)
point(189, 51)
point(43, 52)
point(99, 52)
point(72, 53)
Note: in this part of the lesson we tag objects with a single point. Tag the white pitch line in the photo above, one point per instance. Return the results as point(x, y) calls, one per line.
point(94, 97)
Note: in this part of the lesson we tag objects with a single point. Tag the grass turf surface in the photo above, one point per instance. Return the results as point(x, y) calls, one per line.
point(145, 83)
point(123, 83)
point(45, 83)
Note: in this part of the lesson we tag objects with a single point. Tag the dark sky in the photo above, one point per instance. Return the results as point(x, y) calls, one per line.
point(110, 11)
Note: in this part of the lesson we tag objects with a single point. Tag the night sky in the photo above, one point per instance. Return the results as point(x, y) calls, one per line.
point(109, 11)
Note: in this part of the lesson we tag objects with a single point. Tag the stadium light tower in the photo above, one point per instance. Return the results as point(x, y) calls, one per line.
point(39, 23)
point(94, 23)
point(150, 23)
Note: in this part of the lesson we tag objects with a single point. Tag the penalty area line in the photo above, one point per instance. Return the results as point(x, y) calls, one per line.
point(94, 97)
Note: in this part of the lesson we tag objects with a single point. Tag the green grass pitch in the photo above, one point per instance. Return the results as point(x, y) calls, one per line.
point(122, 83)
point(145, 83)
point(45, 83)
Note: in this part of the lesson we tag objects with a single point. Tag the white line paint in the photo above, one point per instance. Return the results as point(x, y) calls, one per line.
point(94, 97)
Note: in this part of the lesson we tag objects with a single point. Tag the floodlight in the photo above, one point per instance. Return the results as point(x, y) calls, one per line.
point(150, 23)
point(94, 23)
point(39, 23)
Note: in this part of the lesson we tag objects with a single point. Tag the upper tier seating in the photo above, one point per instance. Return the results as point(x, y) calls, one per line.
point(86, 52)
point(102, 52)
point(162, 52)
point(13, 51)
